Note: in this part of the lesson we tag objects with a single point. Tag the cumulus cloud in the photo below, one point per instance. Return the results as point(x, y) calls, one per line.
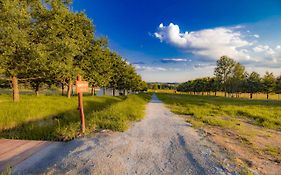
point(211, 44)
point(267, 54)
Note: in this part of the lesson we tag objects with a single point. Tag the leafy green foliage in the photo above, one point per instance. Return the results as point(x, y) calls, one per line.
point(44, 42)
point(232, 78)
point(268, 82)
point(224, 69)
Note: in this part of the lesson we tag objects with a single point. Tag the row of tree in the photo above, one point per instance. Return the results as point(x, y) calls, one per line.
point(44, 42)
point(231, 77)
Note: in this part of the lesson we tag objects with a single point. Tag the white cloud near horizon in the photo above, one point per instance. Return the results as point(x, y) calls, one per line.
point(148, 68)
point(211, 44)
point(176, 60)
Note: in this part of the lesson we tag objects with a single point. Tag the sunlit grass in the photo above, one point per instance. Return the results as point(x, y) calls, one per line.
point(219, 111)
point(117, 117)
point(31, 108)
point(57, 118)
point(256, 96)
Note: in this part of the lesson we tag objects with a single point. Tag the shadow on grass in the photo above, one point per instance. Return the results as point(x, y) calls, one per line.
point(203, 100)
point(62, 127)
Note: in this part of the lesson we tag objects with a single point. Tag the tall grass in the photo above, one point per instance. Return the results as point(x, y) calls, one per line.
point(32, 108)
point(221, 111)
point(117, 117)
point(57, 118)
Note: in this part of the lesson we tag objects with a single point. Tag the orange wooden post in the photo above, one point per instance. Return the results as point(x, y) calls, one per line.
point(80, 103)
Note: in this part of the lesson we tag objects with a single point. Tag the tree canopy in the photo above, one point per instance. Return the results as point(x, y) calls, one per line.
point(231, 77)
point(45, 42)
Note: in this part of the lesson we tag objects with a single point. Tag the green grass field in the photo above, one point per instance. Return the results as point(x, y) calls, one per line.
point(220, 111)
point(256, 96)
point(57, 118)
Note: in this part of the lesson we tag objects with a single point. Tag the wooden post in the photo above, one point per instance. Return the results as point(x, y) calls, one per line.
point(81, 109)
point(15, 86)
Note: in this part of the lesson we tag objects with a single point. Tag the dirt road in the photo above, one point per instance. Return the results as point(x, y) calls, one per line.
point(161, 143)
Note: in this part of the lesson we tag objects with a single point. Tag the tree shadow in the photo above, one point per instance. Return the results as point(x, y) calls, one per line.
point(63, 126)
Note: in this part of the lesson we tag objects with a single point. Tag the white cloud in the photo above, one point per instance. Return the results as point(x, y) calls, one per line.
point(211, 44)
point(168, 60)
point(268, 55)
point(203, 66)
point(145, 68)
point(149, 68)
point(256, 36)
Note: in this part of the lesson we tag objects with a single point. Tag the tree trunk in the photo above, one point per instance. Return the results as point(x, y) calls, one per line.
point(37, 90)
point(251, 95)
point(69, 87)
point(267, 96)
point(224, 93)
point(15, 87)
point(62, 89)
point(215, 93)
point(92, 91)
point(104, 89)
point(113, 91)
point(72, 91)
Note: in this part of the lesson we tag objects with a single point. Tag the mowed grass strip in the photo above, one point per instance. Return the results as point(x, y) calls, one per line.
point(57, 118)
point(225, 112)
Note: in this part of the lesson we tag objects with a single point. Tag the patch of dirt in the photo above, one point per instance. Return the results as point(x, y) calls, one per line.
point(254, 147)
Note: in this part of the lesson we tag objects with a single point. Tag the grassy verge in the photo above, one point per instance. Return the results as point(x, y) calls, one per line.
point(248, 129)
point(117, 117)
point(57, 118)
point(224, 112)
point(256, 96)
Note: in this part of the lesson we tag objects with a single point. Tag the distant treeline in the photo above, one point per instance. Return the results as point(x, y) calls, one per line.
point(44, 42)
point(231, 78)
point(156, 86)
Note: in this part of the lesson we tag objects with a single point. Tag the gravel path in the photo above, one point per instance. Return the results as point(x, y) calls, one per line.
point(161, 143)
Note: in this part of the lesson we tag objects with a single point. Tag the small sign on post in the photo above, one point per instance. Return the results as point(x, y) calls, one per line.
point(81, 86)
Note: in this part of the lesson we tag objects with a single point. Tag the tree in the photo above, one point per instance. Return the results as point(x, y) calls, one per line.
point(128, 79)
point(155, 86)
point(214, 85)
point(277, 88)
point(97, 65)
point(237, 79)
point(118, 68)
point(142, 86)
point(253, 84)
point(66, 36)
point(268, 83)
point(15, 46)
point(223, 70)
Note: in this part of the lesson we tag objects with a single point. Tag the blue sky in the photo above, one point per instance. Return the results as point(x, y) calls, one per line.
point(178, 40)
